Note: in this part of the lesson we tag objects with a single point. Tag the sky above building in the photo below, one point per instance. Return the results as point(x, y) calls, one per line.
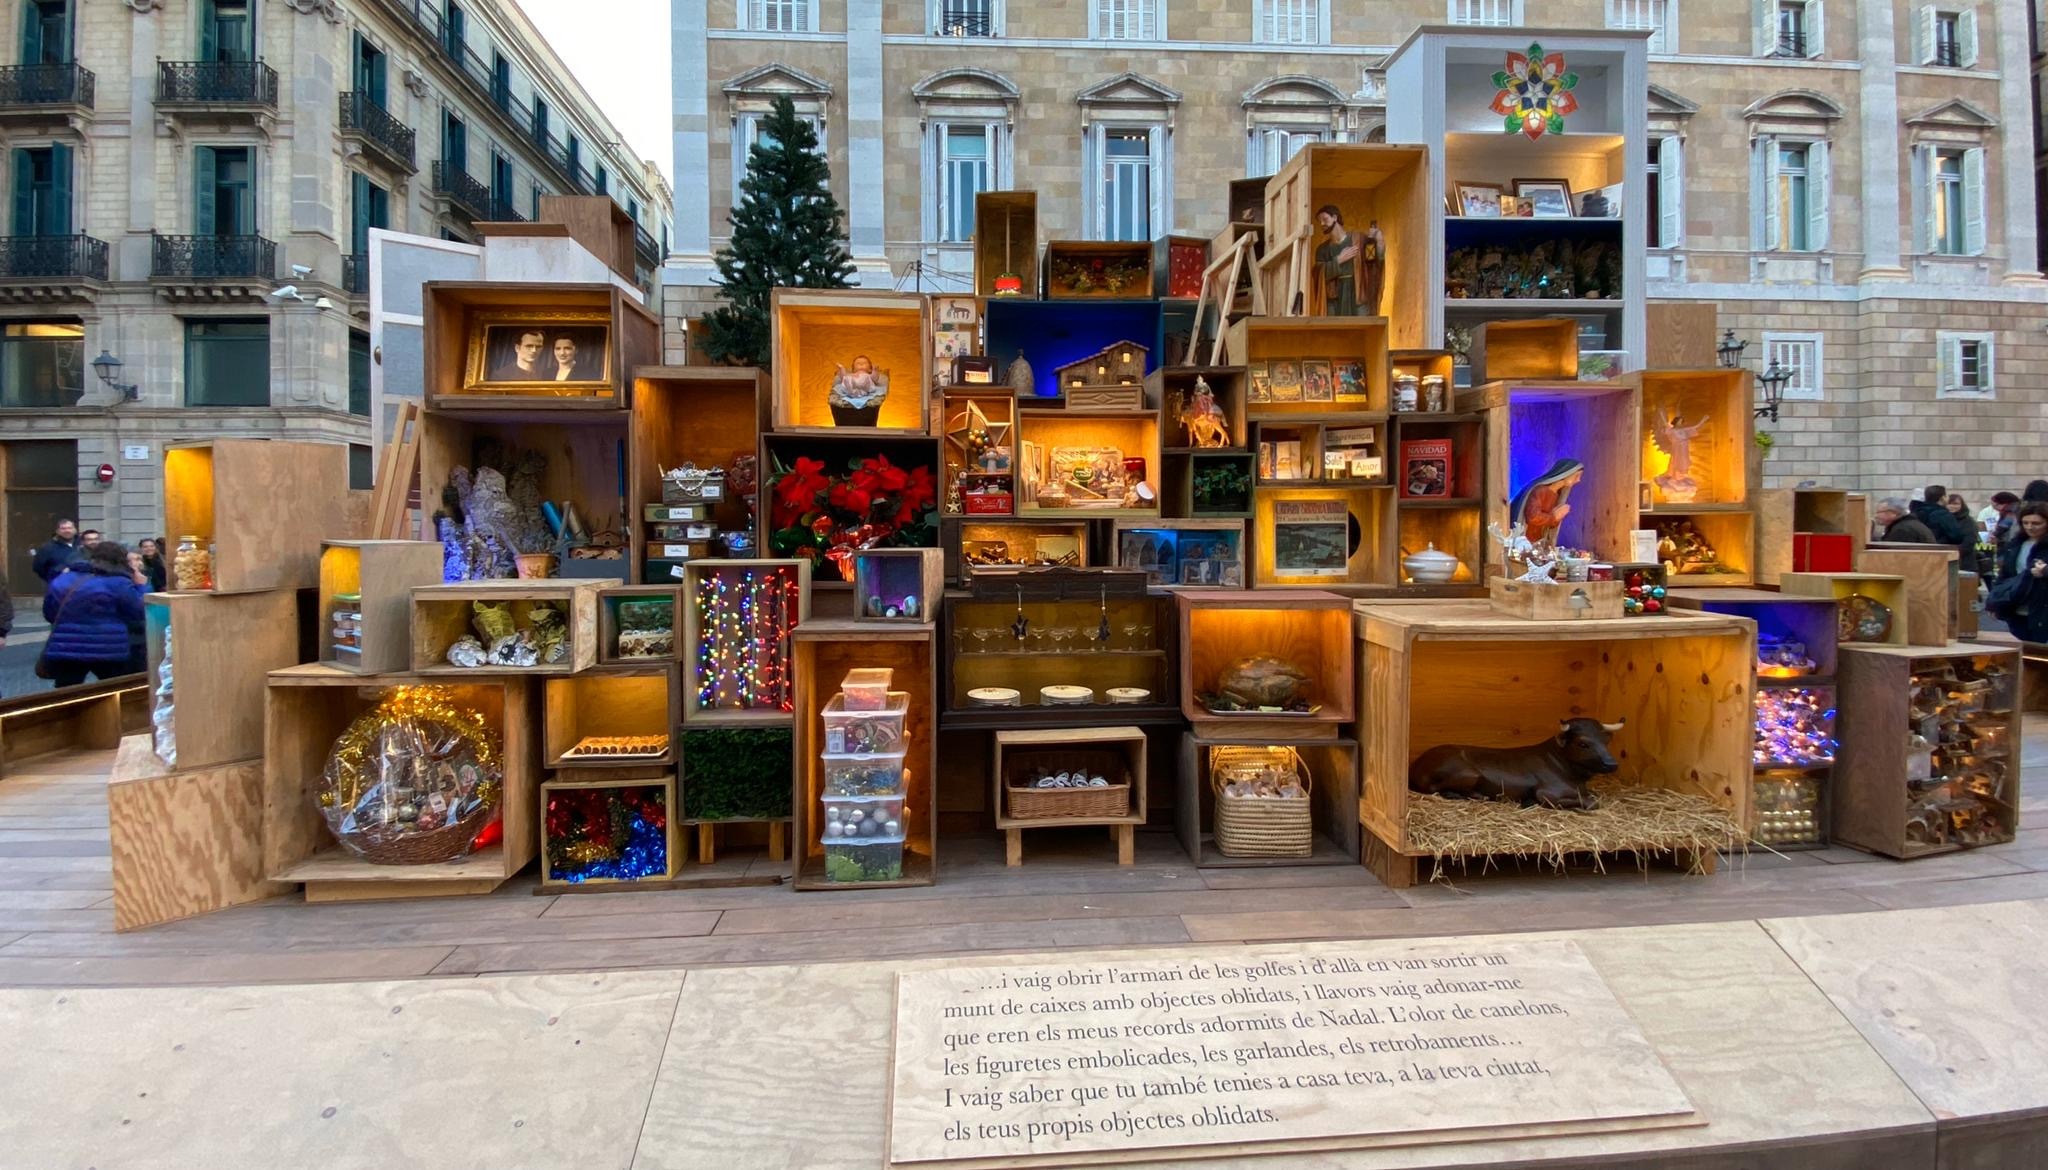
point(618, 50)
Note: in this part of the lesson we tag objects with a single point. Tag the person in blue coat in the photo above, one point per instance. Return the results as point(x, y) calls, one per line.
point(95, 613)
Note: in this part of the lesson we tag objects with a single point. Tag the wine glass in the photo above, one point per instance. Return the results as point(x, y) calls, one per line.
point(1130, 632)
point(982, 636)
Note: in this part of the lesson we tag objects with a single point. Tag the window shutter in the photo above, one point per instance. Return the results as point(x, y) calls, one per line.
point(1763, 27)
point(245, 195)
point(24, 193)
point(1161, 180)
point(1966, 38)
point(31, 35)
point(1923, 34)
point(209, 32)
point(359, 213)
point(1818, 184)
point(1924, 201)
point(1670, 192)
point(934, 165)
point(1763, 180)
point(1094, 184)
point(1816, 28)
point(1973, 202)
point(1948, 363)
point(205, 185)
point(60, 191)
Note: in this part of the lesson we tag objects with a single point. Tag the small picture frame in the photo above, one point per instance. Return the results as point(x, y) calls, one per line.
point(1509, 207)
point(1479, 200)
point(540, 353)
point(956, 312)
point(1318, 381)
point(974, 370)
point(1547, 198)
point(1603, 203)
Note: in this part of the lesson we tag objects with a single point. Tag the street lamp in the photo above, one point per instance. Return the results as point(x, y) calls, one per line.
point(1773, 381)
point(108, 367)
point(1730, 350)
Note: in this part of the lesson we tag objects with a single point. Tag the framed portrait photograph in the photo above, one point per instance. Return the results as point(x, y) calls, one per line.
point(1601, 203)
point(1547, 198)
point(540, 353)
point(1479, 200)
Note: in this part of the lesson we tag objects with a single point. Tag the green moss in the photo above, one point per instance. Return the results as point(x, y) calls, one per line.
point(736, 773)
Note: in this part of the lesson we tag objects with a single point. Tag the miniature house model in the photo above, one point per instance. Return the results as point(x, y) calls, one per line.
point(1122, 364)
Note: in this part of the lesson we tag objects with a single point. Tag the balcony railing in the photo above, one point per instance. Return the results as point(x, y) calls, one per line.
point(469, 196)
point(1791, 43)
point(52, 258)
point(216, 83)
point(355, 274)
point(45, 85)
point(203, 257)
point(644, 245)
point(502, 211)
point(969, 21)
point(361, 115)
point(1948, 54)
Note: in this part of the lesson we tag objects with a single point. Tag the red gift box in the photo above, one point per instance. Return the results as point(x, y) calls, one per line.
point(1822, 552)
point(987, 503)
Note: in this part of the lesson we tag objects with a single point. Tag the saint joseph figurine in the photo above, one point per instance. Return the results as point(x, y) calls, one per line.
point(1351, 265)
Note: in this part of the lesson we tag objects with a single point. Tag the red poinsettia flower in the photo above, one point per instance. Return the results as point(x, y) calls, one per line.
point(918, 494)
point(799, 486)
point(849, 496)
point(890, 477)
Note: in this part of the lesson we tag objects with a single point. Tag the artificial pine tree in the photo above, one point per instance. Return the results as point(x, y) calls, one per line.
point(786, 233)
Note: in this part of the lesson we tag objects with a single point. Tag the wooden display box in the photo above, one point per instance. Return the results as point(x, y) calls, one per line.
point(1713, 404)
point(1306, 629)
point(1177, 264)
point(818, 330)
point(1220, 467)
point(1367, 183)
point(550, 876)
point(610, 701)
point(1002, 547)
point(1323, 536)
point(996, 405)
point(1785, 514)
point(1531, 425)
point(706, 708)
point(455, 311)
point(1416, 434)
point(1730, 532)
point(982, 650)
point(183, 842)
point(441, 614)
point(703, 416)
point(1129, 264)
point(824, 653)
point(1173, 386)
point(1042, 433)
point(1017, 753)
point(309, 707)
point(381, 573)
point(1536, 348)
point(1259, 342)
point(263, 504)
point(712, 758)
point(1332, 767)
point(1005, 243)
point(1887, 589)
point(1248, 201)
point(1873, 797)
point(582, 454)
point(1424, 363)
point(608, 622)
point(1448, 527)
point(1566, 601)
point(222, 645)
point(909, 579)
point(1317, 439)
point(840, 452)
point(1931, 576)
point(1433, 675)
point(1176, 554)
point(1682, 334)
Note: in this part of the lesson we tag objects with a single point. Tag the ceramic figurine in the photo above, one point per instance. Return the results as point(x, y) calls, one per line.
point(1337, 264)
point(1203, 419)
point(1674, 438)
point(1552, 773)
point(858, 393)
point(1541, 506)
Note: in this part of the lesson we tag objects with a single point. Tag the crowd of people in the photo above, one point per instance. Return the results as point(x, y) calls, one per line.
point(2005, 544)
point(92, 598)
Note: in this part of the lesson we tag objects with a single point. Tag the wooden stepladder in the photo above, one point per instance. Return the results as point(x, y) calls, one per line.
point(1235, 262)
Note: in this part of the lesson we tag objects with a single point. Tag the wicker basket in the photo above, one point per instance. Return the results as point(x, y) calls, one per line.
point(430, 848)
point(1260, 826)
point(1044, 804)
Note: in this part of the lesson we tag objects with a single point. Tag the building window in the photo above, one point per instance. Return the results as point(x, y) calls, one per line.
point(1654, 15)
point(777, 15)
point(1953, 200)
point(42, 191)
point(359, 373)
point(1291, 22)
point(454, 31)
point(1945, 37)
point(633, 210)
point(225, 33)
point(1791, 196)
point(361, 474)
point(1271, 148)
point(747, 132)
point(1793, 183)
point(1125, 20)
point(1966, 365)
point(501, 184)
point(1484, 12)
point(965, 158)
point(574, 154)
point(369, 71)
point(533, 202)
point(225, 190)
point(603, 181)
point(1798, 354)
point(967, 18)
point(1124, 193)
point(227, 362)
point(454, 143)
point(1795, 31)
point(501, 81)
point(540, 120)
point(42, 363)
point(46, 32)
point(369, 207)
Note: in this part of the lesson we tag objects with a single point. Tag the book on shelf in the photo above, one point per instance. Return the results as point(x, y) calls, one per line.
point(1425, 468)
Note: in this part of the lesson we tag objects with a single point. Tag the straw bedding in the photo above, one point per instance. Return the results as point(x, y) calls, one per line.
point(1645, 822)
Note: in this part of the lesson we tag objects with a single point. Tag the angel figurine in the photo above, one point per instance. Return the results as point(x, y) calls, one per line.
point(1203, 418)
point(857, 394)
point(1674, 439)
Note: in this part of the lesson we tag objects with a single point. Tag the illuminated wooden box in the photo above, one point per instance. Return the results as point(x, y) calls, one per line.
point(898, 584)
point(1456, 672)
point(817, 332)
point(220, 646)
point(737, 619)
point(264, 505)
point(579, 802)
point(1304, 633)
point(366, 601)
point(632, 621)
point(1932, 582)
point(1330, 768)
point(1705, 416)
point(1000, 547)
point(700, 416)
point(611, 717)
point(580, 457)
point(1542, 348)
point(1786, 514)
point(444, 614)
point(1886, 589)
point(1100, 638)
point(482, 352)
point(1427, 363)
point(1323, 536)
point(1174, 387)
point(1087, 269)
point(1283, 356)
point(1099, 465)
point(1177, 264)
point(1177, 554)
point(1368, 184)
point(1005, 243)
point(1540, 429)
point(980, 449)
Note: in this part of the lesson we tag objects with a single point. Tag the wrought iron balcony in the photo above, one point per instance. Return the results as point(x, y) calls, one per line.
point(355, 274)
point(52, 258)
point(1948, 54)
point(378, 130)
point(44, 86)
point(502, 211)
point(456, 185)
point(968, 21)
point(213, 257)
point(644, 245)
point(1791, 44)
point(216, 83)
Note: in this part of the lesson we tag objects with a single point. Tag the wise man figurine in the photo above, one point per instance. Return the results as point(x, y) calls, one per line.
point(1337, 263)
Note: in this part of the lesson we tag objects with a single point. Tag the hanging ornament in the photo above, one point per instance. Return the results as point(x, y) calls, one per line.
point(1535, 93)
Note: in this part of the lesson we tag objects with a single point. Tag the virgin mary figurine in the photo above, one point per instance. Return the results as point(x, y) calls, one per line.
point(1541, 505)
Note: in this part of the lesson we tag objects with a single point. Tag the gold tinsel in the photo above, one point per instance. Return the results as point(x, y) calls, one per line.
point(442, 722)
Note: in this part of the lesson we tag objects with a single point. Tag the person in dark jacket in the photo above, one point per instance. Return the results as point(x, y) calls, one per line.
point(54, 555)
point(153, 563)
point(2024, 559)
point(1894, 523)
point(95, 615)
point(1949, 529)
point(2005, 508)
point(6, 612)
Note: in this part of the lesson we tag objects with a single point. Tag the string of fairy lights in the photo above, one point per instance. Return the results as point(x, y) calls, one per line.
point(743, 656)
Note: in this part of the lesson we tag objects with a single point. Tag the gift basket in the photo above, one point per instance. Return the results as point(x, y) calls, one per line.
point(1262, 802)
point(413, 779)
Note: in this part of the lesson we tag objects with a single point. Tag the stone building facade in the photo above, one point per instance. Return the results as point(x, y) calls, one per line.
point(192, 184)
point(1850, 181)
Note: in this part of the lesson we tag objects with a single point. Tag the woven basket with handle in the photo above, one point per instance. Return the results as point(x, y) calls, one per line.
point(1261, 826)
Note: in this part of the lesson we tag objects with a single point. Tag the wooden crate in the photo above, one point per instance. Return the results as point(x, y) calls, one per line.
point(309, 707)
point(1424, 363)
point(1171, 387)
point(609, 701)
point(1022, 543)
point(1682, 335)
point(1015, 749)
point(885, 577)
point(382, 574)
point(817, 330)
point(1531, 424)
point(1886, 588)
point(455, 310)
point(824, 652)
point(1248, 201)
point(222, 646)
point(1440, 672)
point(184, 842)
point(981, 651)
point(608, 622)
point(1367, 183)
point(1872, 796)
point(698, 576)
point(1134, 433)
point(1368, 514)
point(88, 717)
point(1536, 347)
point(1783, 513)
point(1729, 530)
point(442, 613)
point(695, 753)
point(1306, 628)
point(1005, 242)
point(263, 504)
point(1968, 607)
point(573, 789)
point(1715, 405)
point(1566, 601)
point(1133, 258)
point(1157, 548)
point(1256, 342)
point(958, 407)
point(1930, 573)
point(704, 416)
point(582, 452)
point(1177, 264)
point(1332, 766)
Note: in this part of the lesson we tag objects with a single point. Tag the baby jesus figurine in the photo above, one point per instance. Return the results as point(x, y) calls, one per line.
point(861, 387)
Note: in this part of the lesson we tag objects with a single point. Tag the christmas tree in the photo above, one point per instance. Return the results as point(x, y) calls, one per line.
point(786, 233)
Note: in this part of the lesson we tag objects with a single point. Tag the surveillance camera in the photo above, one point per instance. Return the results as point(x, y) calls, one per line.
point(302, 271)
point(285, 292)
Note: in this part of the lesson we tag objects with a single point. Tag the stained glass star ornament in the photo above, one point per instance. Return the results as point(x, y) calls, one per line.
point(1535, 93)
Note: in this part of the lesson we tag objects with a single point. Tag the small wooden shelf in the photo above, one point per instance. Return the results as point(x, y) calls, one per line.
point(910, 579)
point(1307, 629)
point(1340, 535)
point(1259, 342)
point(264, 505)
point(455, 311)
point(1533, 424)
point(609, 622)
point(1713, 404)
point(1729, 529)
point(1005, 242)
point(595, 790)
point(703, 416)
point(1785, 515)
point(381, 575)
point(1885, 588)
point(703, 704)
point(1543, 347)
point(1178, 554)
point(1098, 747)
point(1136, 256)
point(1931, 576)
point(610, 701)
point(442, 614)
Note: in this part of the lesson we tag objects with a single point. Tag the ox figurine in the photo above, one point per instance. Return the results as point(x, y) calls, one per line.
point(1552, 773)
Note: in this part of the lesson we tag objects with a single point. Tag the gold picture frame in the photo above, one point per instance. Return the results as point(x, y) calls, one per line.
point(498, 357)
